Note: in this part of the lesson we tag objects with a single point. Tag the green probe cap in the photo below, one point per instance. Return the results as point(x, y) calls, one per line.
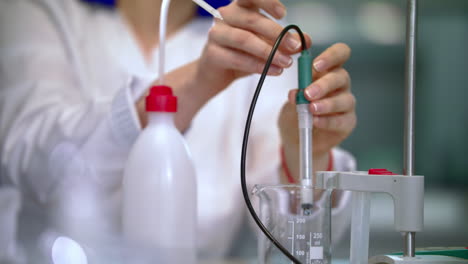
point(305, 76)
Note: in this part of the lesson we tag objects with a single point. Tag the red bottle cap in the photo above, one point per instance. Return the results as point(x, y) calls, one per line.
point(161, 99)
point(380, 172)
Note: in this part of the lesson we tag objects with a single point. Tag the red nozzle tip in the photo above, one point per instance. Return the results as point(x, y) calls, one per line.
point(161, 99)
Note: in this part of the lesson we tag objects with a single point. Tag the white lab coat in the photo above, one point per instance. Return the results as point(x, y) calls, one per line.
point(70, 74)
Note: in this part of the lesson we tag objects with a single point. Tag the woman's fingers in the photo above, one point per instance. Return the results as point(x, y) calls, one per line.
point(247, 32)
point(339, 117)
point(245, 37)
point(332, 103)
point(248, 43)
point(261, 26)
point(334, 80)
point(239, 61)
point(341, 103)
point(292, 96)
point(334, 56)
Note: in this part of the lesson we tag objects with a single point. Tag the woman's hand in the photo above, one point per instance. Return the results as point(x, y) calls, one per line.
point(332, 105)
point(237, 46)
point(241, 43)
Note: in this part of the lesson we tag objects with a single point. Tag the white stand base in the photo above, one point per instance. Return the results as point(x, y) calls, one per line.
point(430, 259)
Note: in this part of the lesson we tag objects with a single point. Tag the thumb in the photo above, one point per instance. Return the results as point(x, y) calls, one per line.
point(287, 124)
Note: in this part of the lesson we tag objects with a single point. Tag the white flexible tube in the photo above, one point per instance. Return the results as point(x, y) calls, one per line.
point(162, 38)
point(359, 250)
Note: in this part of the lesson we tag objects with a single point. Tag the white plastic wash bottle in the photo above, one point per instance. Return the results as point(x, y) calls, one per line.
point(159, 186)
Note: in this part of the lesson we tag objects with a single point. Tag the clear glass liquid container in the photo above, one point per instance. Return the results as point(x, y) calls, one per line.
point(305, 233)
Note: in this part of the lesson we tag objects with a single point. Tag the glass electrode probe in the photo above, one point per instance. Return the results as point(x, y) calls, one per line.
point(305, 132)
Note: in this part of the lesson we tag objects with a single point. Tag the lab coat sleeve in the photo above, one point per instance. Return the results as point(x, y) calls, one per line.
point(47, 119)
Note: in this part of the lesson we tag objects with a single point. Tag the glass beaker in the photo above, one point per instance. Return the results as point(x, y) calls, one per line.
point(305, 233)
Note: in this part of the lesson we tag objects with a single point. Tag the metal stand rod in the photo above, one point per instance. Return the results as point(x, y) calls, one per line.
point(409, 244)
point(410, 80)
